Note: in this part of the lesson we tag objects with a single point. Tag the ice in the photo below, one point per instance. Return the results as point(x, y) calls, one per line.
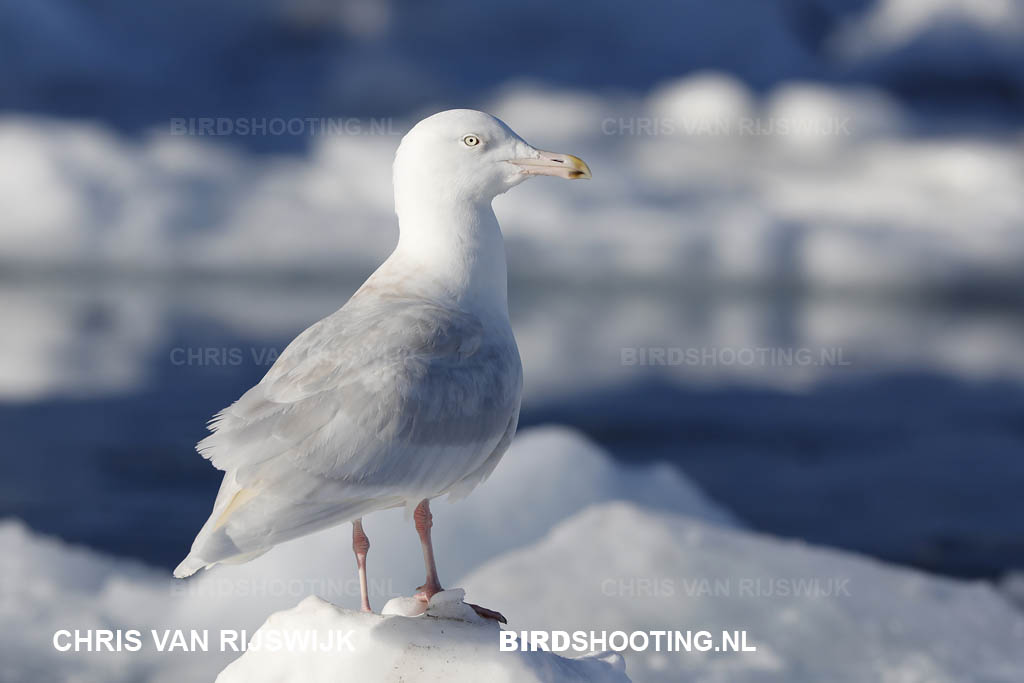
point(693, 194)
point(548, 474)
point(813, 614)
point(699, 181)
point(448, 642)
point(965, 37)
point(75, 341)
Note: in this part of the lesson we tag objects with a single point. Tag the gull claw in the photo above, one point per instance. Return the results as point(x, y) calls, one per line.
point(488, 613)
point(424, 593)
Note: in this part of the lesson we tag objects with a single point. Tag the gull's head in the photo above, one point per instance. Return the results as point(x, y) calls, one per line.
point(471, 156)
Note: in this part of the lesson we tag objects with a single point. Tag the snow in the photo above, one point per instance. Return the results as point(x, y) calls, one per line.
point(563, 552)
point(449, 642)
point(548, 474)
point(902, 201)
point(813, 614)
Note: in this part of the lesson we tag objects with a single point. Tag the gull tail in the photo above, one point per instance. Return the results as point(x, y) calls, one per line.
point(189, 566)
point(246, 522)
point(229, 498)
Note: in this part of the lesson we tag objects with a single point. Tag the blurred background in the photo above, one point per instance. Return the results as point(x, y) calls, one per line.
point(796, 275)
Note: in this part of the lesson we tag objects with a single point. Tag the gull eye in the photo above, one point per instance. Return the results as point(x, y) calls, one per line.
point(471, 141)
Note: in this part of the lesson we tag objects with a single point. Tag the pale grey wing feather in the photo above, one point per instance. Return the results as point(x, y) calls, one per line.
point(384, 396)
point(465, 485)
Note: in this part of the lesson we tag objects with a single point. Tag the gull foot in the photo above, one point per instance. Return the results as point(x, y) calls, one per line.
point(426, 591)
point(488, 613)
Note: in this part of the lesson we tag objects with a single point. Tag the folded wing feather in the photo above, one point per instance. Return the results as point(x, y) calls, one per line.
point(386, 400)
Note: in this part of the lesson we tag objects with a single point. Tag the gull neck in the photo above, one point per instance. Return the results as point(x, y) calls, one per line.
point(456, 246)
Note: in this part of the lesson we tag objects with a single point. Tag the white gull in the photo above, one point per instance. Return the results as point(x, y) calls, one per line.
point(411, 390)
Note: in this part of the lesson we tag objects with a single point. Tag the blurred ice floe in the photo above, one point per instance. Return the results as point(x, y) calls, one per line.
point(809, 186)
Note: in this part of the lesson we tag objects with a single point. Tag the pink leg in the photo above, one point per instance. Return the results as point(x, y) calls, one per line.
point(424, 521)
point(360, 546)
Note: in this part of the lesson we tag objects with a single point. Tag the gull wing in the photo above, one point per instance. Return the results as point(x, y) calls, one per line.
point(397, 394)
point(388, 400)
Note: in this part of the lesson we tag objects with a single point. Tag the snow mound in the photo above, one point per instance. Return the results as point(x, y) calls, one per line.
point(46, 585)
point(449, 642)
point(813, 614)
